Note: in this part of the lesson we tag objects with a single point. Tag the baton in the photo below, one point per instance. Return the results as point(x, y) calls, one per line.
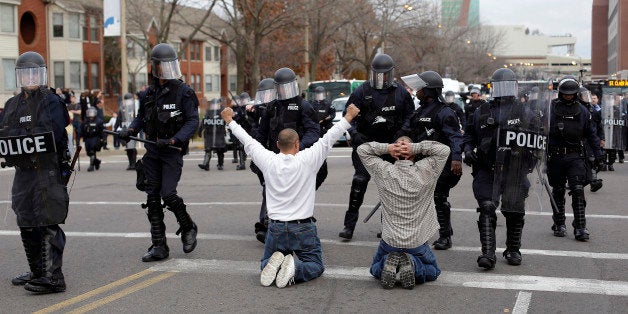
point(372, 212)
point(142, 140)
point(547, 189)
point(73, 163)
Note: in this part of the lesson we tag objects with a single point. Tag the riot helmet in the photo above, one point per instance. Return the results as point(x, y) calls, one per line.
point(214, 104)
point(286, 84)
point(266, 91)
point(534, 93)
point(382, 71)
point(235, 101)
point(164, 62)
point(450, 97)
point(320, 93)
point(568, 86)
point(504, 83)
point(30, 70)
point(245, 99)
point(128, 100)
point(474, 90)
point(434, 83)
point(584, 95)
point(91, 112)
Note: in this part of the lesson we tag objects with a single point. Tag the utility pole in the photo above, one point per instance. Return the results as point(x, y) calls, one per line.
point(124, 80)
point(306, 57)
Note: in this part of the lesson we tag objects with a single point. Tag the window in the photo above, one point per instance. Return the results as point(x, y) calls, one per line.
point(208, 53)
point(59, 71)
point(8, 69)
point(233, 82)
point(85, 77)
point(74, 26)
point(93, 74)
point(7, 18)
point(130, 49)
point(216, 53)
point(94, 31)
point(208, 83)
point(216, 83)
point(195, 51)
point(57, 24)
point(197, 87)
point(75, 75)
point(192, 80)
point(85, 28)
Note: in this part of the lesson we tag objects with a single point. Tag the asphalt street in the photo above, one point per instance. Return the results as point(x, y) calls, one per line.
point(107, 233)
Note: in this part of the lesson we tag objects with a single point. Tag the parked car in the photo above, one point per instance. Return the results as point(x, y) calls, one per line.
point(339, 105)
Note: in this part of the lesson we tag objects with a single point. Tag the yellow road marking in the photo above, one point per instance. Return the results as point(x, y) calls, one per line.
point(123, 293)
point(94, 292)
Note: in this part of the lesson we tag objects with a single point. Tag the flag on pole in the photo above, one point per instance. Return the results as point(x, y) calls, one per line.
point(111, 17)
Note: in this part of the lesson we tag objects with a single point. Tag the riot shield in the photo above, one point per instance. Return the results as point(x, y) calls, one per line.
point(127, 116)
point(520, 154)
point(613, 121)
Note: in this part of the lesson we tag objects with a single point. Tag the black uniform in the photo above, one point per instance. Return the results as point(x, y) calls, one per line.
point(39, 196)
point(570, 127)
point(469, 109)
point(241, 117)
point(92, 130)
point(213, 130)
point(382, 114)
point(325, 115)
point(437, 121)
point(167, 112)
point(592, 164)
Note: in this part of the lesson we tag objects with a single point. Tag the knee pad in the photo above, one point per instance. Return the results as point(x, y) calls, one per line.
point(487, 208)
point(513, 216)
point(441, 202)
point(173, 201)
point(153, 204)
point(577, 190)
point(359, 183)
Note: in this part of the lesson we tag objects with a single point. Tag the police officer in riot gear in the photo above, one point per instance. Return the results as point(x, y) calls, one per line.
point(472, 104)
point(500, 169)
point(92, 129)
point(585, 97)
point(168, 114)
point(570, 127)
point(241, 117)
point(213, 130)
point(436, 120)
point(289, 110)
point(450, 99)
point(37, 114)
point(125, 117)
point(384, 107)
point(325, 113)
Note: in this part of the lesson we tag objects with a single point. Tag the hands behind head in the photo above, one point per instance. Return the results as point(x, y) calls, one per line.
point(401, 150)
point(227, 115)
point(352, 112)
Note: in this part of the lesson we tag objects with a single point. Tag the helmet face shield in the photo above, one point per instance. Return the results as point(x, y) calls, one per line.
point(585, 96)
point(166, 70)
point(31, 77)
point(214, 105)
point(449, 98)
point(414, 82)
point(265, 96)
point(91, 112)
point(504, 89)
point(381, 80)
point(320, 96)
point(287, 90)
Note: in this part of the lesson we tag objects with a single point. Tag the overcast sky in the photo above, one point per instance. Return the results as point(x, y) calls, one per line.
point(555, 17)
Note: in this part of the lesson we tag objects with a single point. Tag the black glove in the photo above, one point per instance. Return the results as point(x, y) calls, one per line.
point(470, 157)
point(163, 143)
point(125, 134)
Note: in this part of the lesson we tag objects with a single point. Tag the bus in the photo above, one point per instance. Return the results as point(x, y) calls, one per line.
point(334, 88)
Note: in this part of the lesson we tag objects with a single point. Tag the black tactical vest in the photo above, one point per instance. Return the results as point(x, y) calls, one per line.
point(282, 116)
point(423, 124)
point(567, 123)
point(164, 115)
point(379, 123)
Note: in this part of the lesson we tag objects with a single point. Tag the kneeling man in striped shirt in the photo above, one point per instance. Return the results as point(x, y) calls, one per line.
point(290, 180)
point(406, 190)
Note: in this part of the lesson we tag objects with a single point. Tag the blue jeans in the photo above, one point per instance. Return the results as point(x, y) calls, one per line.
point(423, 260)
point(300, 238)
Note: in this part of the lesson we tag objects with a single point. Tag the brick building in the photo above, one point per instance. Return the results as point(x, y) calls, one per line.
point(609, 39)
point(69, 35)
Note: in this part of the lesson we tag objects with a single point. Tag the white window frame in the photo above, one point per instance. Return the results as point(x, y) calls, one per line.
point(7, 6)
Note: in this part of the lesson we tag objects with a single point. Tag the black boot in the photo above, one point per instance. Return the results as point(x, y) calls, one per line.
point(131, 155)
point(514, 229)
point(187, 227)
point(32, 247)
point(91, 163)
point(221, 160)
point(206, 159)
point(486, 225)
point(242, 162)
point(356, 197)
point(558, 214)
point(51, 279)
point(578, 204)
point(159, 249)
point(96, 162)
point(443, 213)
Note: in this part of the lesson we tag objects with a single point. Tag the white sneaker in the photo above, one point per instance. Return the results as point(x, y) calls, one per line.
point(270, 270)
point(285, 277)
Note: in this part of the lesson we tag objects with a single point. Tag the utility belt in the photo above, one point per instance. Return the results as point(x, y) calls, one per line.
point(565, 150)
point(297, 221)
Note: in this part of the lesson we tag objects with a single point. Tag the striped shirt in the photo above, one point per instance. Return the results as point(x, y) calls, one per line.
point(406, 190)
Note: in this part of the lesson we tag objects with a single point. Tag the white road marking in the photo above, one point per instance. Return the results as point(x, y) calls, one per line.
point(372, 244)
point(447, 278)
point(523, 303)
point(318, 205)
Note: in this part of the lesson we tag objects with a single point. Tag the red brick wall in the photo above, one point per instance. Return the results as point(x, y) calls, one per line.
point(599, 38)
point(622, 36)
point(92, 52)
point(38, 9)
